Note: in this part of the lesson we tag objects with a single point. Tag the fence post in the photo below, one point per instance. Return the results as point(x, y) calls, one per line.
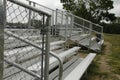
point(33, 20)
point(66, 27)
point(90, 33)
point(29, 17)
point(62, 20)
point(52, 28)
point(2, 25)
point(72, 25)
point(56, 22)
point(83, 26)
point(47, 51)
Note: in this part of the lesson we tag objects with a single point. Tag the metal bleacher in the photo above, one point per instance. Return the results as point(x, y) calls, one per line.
point(36, 42)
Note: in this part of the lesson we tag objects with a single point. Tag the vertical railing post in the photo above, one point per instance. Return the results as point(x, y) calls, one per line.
point(29, 17)
point(2, 25)
point(102, 33)
point(33, 20)
point(56, 24)
point(47, 47)
point(83, 26)
point(72, 25)
point(90, 29)
point(101, 36)
point(90, 34)
point(66, 27)
point(52, 28)
point(43, 47)
point(61, 20)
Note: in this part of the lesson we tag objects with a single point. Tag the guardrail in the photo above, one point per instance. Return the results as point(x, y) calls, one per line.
point(87, 27)
point(64, 21)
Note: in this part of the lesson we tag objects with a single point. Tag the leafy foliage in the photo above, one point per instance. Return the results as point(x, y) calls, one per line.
point(93, 10)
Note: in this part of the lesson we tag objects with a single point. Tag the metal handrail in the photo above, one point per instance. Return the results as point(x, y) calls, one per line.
point(38, 47)
point(88, 28)
point(29, 7)
point(81, 18)
point(61, 12)
point(40, 5)
point(60, 65)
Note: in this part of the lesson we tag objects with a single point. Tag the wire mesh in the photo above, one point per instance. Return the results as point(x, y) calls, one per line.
point(27, 25)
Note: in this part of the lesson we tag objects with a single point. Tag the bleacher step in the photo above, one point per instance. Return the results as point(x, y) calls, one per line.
point(53, 61)
point(81, 68)
point(55, 73)
point(67, 68)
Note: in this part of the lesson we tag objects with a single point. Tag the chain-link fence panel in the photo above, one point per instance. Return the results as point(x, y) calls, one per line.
point(25, 25)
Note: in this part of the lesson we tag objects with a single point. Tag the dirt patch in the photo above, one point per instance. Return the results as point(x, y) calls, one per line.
point(82, 54)
point(107, 48)
point(104, 67)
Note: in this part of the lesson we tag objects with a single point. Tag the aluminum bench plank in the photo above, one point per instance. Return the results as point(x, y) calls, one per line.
point(53, 61)
point(55, 73)
point(79, 37)
point(57, 42)
point(81, 68)
point(95, 46)
point(70, 68)
point(22, 49)
point(86, 41)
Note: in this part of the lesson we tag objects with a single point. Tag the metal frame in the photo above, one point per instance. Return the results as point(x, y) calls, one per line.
point(38, 47)
point(2, 25)
point(47, 34)
point(47, 29)
point(90, 28)
point(46, 50)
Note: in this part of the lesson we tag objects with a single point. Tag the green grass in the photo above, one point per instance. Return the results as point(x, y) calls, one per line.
point(114, 57)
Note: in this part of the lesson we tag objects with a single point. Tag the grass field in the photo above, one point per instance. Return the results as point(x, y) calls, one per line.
point(107, 64)
point(115, 52)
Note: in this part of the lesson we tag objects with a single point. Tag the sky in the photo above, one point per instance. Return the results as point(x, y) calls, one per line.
point(54, 4)
point(116, 8)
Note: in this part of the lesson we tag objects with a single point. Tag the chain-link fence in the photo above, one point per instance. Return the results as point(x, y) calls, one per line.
point(25, 25)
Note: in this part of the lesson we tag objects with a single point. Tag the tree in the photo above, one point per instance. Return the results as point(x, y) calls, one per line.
point(96, 10)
